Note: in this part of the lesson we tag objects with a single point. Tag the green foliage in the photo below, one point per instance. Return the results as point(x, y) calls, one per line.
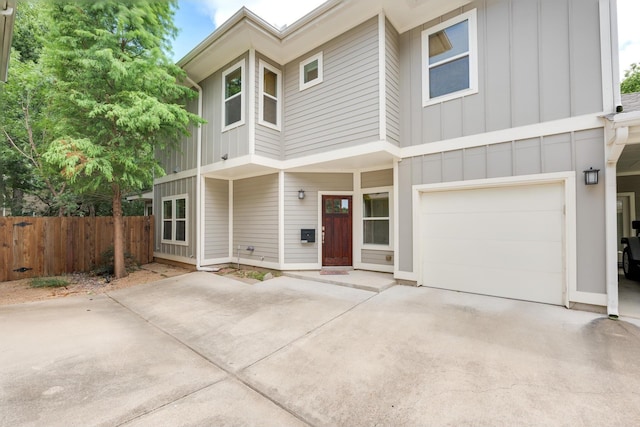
point(48, 282)
point(104, 266)
point(118, 96)
point(631, 82)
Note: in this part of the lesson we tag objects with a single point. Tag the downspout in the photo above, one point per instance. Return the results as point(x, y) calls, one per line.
point(199, 183)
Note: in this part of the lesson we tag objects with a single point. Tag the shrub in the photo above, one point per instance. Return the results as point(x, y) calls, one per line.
point(48, 282)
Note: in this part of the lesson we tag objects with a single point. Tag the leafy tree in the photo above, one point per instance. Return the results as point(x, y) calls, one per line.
point(117, 98)
point(631, 82)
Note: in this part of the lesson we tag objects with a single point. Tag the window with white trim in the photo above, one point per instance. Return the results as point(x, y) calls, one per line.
point(375, 219)
point(233, 96)
point(174, 219)
point(311, 71)
point(449, 59)
point(270, 95)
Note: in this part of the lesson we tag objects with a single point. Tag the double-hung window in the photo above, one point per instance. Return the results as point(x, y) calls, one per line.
point(376, 221)
point(449, 59)
point(174, 219)
point(270, 95)
point(233, 96)
point(311, 72)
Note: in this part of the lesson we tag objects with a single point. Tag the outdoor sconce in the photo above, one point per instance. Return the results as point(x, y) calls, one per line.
point(591, 176)
point(301, 194)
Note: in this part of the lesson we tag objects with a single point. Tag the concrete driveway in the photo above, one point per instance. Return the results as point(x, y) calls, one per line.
point(201, 349)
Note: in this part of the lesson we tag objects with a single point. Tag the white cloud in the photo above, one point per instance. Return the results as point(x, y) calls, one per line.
point(628, 33)
point(276, 12)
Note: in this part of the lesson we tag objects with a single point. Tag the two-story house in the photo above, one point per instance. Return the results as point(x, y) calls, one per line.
point(443, 141)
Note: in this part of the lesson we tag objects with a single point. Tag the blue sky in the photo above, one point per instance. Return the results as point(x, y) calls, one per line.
point(198, 18)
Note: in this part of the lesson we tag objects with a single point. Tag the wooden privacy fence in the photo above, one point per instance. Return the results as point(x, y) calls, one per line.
point(50, 246)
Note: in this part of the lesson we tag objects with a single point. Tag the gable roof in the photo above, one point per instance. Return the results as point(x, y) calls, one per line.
point(7, 14)
point(245, 30)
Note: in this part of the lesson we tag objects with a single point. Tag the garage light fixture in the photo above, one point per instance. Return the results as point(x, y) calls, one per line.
point(591, 176)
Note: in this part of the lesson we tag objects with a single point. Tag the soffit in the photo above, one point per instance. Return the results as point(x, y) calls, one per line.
point(245, 30)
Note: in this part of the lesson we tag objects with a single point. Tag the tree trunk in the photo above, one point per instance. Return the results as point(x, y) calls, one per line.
point(17, 202)
point(119, 269)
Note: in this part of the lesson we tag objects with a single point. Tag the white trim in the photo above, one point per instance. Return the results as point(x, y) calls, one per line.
point(182, 259)
point(374, 267)
point(213, 261)
point(242, 94)
point(251, 97)
point(281, 239)
point(174, 220)
point(230, 219)
point(589, 121)
point(589, 298)
point(261, 94)
point(382, 75)
point(632, 208)
point(175, 176)
point(357, 213)
point(406, 275)
point(369, 246)
point(611, 236)
point(318, 56)
point(396, 213)
point(471, 17)
point(606, 57)
point(636, 173)
point(568, 179)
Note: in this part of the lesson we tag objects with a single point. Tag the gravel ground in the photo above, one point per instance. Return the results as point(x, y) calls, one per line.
point(20, 291)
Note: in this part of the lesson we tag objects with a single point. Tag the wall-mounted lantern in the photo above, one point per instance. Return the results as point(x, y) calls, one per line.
point(591, 176)
point(301, 194)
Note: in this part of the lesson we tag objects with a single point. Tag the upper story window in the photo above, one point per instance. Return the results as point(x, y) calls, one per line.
point(270, 96)
point(174, 219)
point(449, 59)
point(233, 96)
point(311, 71)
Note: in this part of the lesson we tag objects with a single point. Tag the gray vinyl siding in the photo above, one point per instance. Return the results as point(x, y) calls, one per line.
point(575, 151)
point(299, 214)
point(255, 217)
point(343, 110)
point(392, 82)
point(377, 257)
point(268, 140)
point(215, 143)
point(538, 61)
point(216, 219)
point(184, 156)
point(179, 187)
point(382, 178)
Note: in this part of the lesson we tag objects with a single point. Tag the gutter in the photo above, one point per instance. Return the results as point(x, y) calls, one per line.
point(199, 183)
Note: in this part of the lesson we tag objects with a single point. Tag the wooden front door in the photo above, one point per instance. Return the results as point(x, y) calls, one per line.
point(336, 230)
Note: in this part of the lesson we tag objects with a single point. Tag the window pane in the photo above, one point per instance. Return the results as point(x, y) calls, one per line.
point(376, 205)
point(448, 78)
point(344, 206)
point(311, 71)
point(181, 208)
point(166, 232)
point(270, 82)
point(166, 205)
point(270, 110)
point(376, 232)
point(181, 231)
point(328, 206)
point(449, 42)
point(233, 83)
point(233, 110)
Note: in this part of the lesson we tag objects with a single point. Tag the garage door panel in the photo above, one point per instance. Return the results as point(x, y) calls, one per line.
point(500, 241)
point(509, 226)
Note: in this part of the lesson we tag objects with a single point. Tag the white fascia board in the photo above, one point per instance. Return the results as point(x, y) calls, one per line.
point(590, 121)
point(175, 176)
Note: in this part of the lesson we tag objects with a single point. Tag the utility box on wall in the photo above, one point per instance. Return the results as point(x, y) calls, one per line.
point(308, 235)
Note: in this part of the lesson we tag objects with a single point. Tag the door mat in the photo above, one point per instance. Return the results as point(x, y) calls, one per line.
point(333, 272)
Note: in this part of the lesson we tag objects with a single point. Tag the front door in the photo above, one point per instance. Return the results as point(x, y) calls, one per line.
point(336, 230)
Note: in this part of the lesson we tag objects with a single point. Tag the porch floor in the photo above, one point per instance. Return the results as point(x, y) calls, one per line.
point(359, 279)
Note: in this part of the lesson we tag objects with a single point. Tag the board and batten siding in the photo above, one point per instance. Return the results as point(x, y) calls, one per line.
point(216, 218)
point(299, 214)
point(575, 151)
point(268, 140)
point(215, 143)
point(392, 82)
point(538, 61)
point(174, 188)
point(255, 218)
point(342, 111)
point(184, 156)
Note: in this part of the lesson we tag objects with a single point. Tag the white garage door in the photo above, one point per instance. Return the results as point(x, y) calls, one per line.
point(501, 241)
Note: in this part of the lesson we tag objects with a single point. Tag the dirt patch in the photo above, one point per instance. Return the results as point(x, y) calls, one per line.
point(19, 291)
point(249, 276)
